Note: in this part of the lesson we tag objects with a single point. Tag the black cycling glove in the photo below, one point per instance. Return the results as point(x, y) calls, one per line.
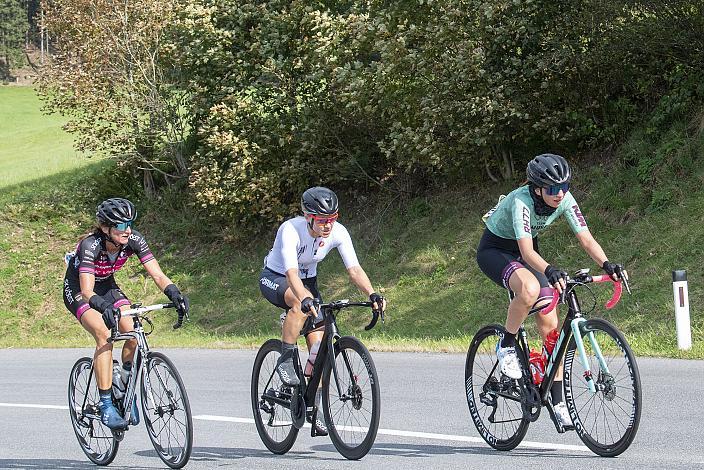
point(179, 300)
point(111, 314)
point(554, 274)
point(307, 304)
point(613, 268)
point(378, 299)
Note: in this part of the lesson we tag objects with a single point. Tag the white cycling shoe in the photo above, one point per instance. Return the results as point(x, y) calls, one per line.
point(563, 414)
point(508, 362)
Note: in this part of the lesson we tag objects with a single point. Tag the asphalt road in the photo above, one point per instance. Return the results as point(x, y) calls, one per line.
point(424, 419)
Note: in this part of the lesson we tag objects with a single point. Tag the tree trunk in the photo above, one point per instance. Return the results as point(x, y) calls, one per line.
point(149, 187)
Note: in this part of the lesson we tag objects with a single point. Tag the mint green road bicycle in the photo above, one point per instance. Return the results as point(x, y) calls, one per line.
point(601, 379)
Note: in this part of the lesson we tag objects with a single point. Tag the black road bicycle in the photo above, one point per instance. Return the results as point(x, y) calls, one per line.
point(165, 407)
point(602, 386)
point(350, 390)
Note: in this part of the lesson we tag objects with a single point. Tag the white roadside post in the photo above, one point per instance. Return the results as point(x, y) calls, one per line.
point(684, 329)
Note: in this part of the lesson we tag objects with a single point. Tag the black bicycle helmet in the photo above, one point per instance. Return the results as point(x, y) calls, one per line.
point(319, 201)
point(116, 210)
point(548, 169)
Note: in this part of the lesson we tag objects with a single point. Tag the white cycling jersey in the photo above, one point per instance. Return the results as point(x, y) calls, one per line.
point(294, 247)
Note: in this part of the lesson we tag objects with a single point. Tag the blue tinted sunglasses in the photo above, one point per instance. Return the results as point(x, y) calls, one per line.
point(555, 190)
point(123, 226)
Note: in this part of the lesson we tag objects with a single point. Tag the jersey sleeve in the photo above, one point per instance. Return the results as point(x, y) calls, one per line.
point(290, 242)
point(87, 252)
point(574, 215)
point(521, 219)
point(140, 247)
point(345, 248)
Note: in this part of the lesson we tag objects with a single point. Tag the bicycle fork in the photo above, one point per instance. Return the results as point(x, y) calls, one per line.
point(577, 328)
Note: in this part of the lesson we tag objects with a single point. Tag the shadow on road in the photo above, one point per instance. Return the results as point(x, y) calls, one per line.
point(57, 464)
point(428, 450)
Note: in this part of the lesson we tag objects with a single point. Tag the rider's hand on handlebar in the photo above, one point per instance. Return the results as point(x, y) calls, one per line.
point(309, 307)
point(616, 271)
point(111, 317)
point(556, 277)
point(378, 300)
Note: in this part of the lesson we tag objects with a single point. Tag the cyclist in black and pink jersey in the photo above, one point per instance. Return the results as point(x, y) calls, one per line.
point(94, 298)
point(289, 277)
point(508, 254)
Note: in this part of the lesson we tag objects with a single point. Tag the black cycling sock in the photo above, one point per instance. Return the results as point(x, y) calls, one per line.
point(508, 340)
point(287, 347)
point(556, 392)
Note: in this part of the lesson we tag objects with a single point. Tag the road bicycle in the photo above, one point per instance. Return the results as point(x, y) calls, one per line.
point(602, 387)
point(350, 390)
point(165, 407)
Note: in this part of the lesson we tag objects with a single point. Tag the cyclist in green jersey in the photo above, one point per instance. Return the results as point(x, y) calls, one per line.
point(508, 254)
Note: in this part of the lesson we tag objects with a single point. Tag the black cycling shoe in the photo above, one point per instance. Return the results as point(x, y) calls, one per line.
point(286, 370)
point(317, 428)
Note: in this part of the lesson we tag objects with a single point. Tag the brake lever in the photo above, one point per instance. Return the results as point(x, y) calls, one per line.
point(624, 280)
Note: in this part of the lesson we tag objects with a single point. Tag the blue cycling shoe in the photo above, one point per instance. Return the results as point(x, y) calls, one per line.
point(134, 415)
point(110, 417)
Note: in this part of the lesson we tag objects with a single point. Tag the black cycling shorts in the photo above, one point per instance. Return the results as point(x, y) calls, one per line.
point(273, 287)
point(499, 258)
point(107, 289)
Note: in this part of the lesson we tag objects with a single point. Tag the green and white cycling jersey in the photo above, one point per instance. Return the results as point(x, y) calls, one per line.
point(514, 216)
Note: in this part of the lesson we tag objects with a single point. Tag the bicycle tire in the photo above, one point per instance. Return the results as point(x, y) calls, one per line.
point(362, 392)
point(483, 380)
point(617, 399)
point(96, 439)
point(171, 410)
point(277, 436)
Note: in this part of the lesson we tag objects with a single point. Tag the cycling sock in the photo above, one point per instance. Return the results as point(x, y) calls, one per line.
point(287, 347)
point(105, 397)
point(556, 392)
point(508, 340)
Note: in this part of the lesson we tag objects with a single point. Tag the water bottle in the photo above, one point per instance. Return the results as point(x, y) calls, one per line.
point(118, 385)
point(549, 344)
point(311, 359)
point(537, 366)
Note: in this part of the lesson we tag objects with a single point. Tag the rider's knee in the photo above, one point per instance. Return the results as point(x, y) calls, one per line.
point(529, 292)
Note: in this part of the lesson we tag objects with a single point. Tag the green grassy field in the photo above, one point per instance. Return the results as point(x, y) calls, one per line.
point(419, 252)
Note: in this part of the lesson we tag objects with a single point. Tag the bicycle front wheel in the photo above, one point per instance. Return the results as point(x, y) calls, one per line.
point(96, 439)
point(269, 396)
point(353, 417)
point(167, 412)
point(494, 400)
point(606, 421)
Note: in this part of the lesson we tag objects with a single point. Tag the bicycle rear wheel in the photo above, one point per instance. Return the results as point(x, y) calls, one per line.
point(168, 417)
point(96, 440)
point(353, 418)
point(606, 421)
point(273, 420)
point(494, 400)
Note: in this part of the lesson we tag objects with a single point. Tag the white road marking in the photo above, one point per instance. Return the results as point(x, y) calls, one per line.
point(388, 432)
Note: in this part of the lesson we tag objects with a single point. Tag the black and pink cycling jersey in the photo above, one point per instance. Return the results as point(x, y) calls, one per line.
point(92, 257)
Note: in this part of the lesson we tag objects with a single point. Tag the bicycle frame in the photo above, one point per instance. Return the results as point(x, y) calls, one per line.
point(139, 360)
point(571, 327)
point(325, 353)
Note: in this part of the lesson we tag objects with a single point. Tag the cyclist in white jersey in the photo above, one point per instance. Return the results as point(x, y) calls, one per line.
point(289, 277)
point(508, 254)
